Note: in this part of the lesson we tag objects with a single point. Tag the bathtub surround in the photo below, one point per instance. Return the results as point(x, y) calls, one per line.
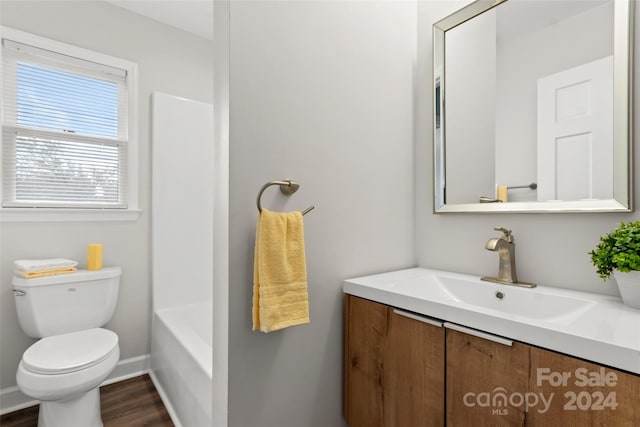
point(165, 65)
point(182, 201)
point(182, 248)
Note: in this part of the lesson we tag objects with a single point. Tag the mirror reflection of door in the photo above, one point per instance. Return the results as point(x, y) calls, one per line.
point(575, 133)
point(498, 131)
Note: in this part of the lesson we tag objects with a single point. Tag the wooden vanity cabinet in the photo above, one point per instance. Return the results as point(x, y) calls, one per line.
point(394, 368)
point(478, 369)
point(395, 373)
point(584, 393)
point(485, 379)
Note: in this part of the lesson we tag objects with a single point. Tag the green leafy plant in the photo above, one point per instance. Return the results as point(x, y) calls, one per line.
point(618, 250)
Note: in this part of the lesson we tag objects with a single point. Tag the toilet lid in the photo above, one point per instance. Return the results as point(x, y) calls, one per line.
point(60, 354)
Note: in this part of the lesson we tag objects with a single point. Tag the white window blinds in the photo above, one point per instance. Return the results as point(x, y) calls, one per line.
point(64, 133)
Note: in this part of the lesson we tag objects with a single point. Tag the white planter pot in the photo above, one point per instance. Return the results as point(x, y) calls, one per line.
point(629, 286)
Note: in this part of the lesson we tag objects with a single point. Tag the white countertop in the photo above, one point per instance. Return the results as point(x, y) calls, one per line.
point(603, 331)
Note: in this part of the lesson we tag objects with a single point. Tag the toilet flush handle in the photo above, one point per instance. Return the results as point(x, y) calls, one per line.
point(19, 292)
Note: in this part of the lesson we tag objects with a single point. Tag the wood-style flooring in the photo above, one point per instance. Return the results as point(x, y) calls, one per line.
point(130, 403)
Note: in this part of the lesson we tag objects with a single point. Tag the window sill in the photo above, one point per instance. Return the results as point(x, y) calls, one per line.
point(67, 215)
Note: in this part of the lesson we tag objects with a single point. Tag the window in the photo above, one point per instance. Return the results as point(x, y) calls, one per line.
point(68, 131)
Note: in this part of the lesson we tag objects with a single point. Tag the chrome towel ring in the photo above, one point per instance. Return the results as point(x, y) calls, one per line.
point(287, 187)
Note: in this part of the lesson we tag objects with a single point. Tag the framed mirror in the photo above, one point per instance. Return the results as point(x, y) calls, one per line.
point(532, 107)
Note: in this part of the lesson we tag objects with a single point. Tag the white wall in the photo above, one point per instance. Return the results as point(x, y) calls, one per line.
point(321, 92)
point(551, 248)
point(220, 265)
point(470, 94)
point(169, 60)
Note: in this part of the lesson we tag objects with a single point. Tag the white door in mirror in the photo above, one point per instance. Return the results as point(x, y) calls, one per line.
point(575, 133)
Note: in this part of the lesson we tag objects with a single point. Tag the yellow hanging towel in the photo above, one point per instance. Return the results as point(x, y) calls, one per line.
point(280, 297)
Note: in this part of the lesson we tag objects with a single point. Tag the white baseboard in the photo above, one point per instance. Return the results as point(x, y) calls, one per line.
point(12, 399)
point(165, 400)
point(129, 368)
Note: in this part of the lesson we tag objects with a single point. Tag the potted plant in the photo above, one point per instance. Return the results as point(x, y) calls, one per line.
point(618, 254)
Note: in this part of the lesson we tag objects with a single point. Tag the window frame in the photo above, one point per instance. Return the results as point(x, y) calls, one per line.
point(42, 214)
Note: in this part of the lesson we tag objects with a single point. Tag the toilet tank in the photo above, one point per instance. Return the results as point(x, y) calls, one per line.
point(55, 305)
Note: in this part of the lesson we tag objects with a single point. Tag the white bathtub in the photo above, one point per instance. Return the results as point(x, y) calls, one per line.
point(181, 362)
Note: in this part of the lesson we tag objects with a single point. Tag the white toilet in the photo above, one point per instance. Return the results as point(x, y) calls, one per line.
point(64, 369)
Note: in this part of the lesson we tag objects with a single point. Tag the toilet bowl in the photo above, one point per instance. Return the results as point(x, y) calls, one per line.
point(64, 373)
point(64, 369)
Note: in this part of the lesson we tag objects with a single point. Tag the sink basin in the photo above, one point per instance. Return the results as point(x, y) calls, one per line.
point(454, 290)
point(541, 303)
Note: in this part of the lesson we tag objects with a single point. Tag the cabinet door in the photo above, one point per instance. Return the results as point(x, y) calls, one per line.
point(365, 333)
point(581, 393)
point(394, 368)
point(414, 372)
point(481, 377)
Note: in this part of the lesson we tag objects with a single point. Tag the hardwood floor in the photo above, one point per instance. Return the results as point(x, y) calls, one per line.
point(130, 403)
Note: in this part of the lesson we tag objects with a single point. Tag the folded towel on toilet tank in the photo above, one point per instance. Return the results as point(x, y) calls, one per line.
point(41, 265)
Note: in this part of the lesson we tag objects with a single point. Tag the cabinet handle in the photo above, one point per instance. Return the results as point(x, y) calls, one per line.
point(478, 334)
point(423, 319)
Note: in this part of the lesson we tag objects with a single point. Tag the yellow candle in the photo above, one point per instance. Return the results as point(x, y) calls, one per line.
point(94, 257)
point(501, 194)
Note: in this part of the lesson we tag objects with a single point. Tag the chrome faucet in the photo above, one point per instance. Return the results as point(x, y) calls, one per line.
point(507, 252)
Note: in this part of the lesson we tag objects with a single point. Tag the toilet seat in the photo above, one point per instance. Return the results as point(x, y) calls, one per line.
point(75, 351)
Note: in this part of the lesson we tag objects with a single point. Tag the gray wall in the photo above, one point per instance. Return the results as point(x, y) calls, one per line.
point(551, 248)
point(170, 61)
point(321, 92)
